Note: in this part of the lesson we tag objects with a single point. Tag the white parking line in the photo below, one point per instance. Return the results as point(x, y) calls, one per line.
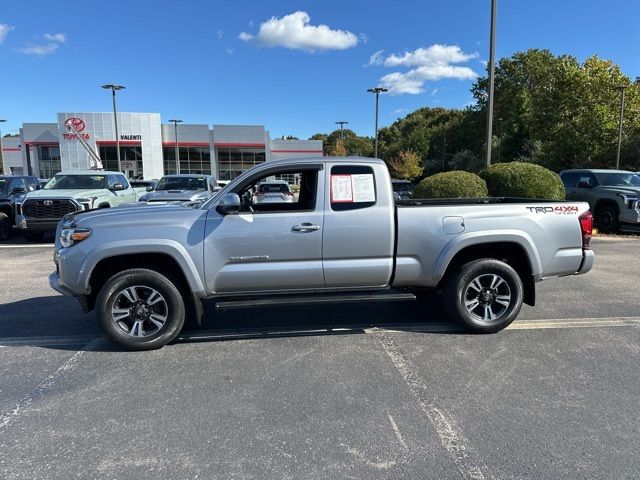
point(451, 439)
point(30, 245)
point(46, 384)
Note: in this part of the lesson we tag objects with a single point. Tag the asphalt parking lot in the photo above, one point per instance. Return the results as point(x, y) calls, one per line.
point(358, 391)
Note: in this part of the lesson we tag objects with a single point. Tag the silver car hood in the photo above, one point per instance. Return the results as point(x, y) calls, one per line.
point(174, 195)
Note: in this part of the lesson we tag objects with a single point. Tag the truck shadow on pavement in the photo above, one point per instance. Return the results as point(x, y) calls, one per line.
point(58, 322)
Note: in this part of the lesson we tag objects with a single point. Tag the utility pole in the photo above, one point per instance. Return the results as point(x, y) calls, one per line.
point(620, 126)
point(114, 88)
point(501, 132)
point(342, 123)
point(175, 130)
point(492, 55)
point(377, 91)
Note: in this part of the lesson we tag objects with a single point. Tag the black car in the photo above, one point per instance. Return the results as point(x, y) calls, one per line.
point(13, 187)
point(402, 189)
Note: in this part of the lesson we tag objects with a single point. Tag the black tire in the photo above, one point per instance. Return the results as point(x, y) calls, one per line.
point(112, 294)
point(32, 236)
point(458, 293)
point(5, 226)
point(607, 219)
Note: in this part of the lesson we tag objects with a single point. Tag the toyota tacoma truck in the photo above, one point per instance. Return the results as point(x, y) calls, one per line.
point(343, 239)
point(40, 211)
point(613, 195)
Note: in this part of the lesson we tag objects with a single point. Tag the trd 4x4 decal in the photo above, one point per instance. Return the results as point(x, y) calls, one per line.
point(559, 210)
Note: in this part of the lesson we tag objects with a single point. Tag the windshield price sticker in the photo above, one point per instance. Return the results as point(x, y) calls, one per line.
point(352, 188)
point(341, 190)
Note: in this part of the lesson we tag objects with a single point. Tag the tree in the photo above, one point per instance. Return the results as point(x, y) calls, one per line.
point(406, 165)
point(352, 144)
point(338, 150)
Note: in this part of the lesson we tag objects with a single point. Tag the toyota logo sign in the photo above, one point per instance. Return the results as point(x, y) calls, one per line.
point(48, 203)
point(77, 123)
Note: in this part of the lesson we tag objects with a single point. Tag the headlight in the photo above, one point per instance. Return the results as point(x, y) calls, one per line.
point(71, 236)
point(630, 200)
point(87, 203)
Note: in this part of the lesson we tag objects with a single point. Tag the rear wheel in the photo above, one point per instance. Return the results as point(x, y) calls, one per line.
point(140, 309)
point(607, 219)
point(485, 295)
point(5, 226)
point(32, 236)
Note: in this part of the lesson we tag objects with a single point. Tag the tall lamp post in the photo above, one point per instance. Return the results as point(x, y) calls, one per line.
point(492, 56)
point(620, 125)
point(2, 120)
point(175, 130)
point(113, 88)
point(377, 91)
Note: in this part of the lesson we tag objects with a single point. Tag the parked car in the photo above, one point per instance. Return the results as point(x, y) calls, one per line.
point(613, 196)
point(343, 239)
point(143, 186)
point(65, 193)
point(403, 189)
point(273, 191)
point(182, 188)
point(12, 189)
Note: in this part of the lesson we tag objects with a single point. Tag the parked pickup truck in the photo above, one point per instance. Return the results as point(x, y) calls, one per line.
point(342, 239)
point(65, 193)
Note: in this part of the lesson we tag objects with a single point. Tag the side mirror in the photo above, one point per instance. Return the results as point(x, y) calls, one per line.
point(584, 184)
point(117, 187)
point(149, 188)
point(229, 204)
point(17, 191)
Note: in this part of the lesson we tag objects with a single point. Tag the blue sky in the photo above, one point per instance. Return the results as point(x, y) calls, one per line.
point(273, 63)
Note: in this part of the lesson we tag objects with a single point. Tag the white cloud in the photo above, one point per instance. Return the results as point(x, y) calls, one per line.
point(432, 63)
point(293, 31)
point(55, 37)
point(364, 37)
point(220, 34)
point(4, 31)
point(229, 51)
point(39, 50)
point(376, 58)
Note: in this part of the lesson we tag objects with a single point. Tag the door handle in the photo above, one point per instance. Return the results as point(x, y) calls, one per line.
point(305, 227)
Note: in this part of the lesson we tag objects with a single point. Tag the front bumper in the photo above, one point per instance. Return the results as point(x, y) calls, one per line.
point(54, 282)
point(588, 257)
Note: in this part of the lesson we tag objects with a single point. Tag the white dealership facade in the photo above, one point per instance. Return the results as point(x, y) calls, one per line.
point(147, 146)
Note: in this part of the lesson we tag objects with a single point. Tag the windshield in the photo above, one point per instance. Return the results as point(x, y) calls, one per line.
point(619, 179)
point(273, 188)
point(182, 183)
point(4, 183)
point(402, 187)
point(73, 182)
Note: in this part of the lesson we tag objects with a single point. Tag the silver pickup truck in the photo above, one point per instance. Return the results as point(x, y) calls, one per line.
point(343, 238)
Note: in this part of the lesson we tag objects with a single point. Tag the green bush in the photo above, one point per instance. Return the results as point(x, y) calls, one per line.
point(524, 180)
point(454, 184)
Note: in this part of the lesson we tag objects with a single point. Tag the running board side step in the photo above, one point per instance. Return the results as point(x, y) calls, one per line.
point(317, 299)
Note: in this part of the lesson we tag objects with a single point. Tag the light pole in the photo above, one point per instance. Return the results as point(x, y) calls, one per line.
point(175, 130)
point(377, 91)
point(2, 120)
point(620, 126)
point(342, 123)
point(492, 55)
point(113, 88)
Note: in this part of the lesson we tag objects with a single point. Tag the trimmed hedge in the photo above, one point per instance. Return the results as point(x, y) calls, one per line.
point(454, 184)
point(524, 180)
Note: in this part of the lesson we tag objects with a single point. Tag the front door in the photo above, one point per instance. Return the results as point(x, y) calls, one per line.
point(268, 246)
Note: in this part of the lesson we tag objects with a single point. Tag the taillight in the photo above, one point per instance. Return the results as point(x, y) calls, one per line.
point(586, 225)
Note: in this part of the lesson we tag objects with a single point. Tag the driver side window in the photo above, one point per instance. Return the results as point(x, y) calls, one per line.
point(285, 191)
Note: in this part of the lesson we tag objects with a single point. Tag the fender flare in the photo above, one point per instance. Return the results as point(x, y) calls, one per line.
point(463, 241)
point(129, 247)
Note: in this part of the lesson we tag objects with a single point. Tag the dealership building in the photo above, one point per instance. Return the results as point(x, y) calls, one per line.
point(147, 146)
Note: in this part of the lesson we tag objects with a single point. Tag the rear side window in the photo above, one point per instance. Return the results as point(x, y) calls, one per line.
point(352, 187)
point(570, 179)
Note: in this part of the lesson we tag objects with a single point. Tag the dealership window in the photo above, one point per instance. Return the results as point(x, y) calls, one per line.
point(132, 154)
point(196, 160)
point(233, 161)
point(49, 160)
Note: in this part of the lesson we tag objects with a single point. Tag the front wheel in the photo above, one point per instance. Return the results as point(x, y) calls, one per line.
point(140, 309)
point(607, 219)
point(485, 295)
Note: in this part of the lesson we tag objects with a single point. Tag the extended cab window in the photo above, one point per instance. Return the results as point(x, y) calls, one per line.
point(283, 191)
point(352, 187)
